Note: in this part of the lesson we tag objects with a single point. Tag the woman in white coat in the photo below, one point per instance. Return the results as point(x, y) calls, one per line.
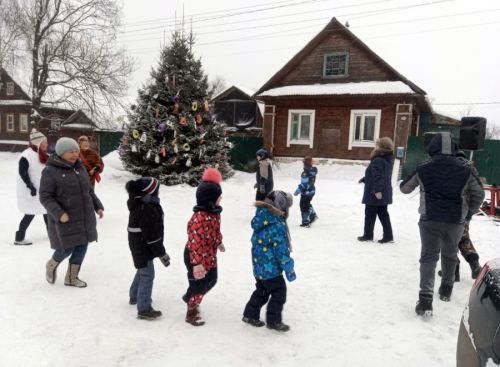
point(31, 164)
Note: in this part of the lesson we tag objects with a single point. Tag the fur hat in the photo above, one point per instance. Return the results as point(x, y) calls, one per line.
point(308, 161)
point(65, 144)
point(36, 137)
point(143, 186)
point(209, 189)
point(280, 200)
point(385, 144)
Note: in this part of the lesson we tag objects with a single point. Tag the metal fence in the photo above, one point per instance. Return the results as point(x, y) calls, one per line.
point(487, 160)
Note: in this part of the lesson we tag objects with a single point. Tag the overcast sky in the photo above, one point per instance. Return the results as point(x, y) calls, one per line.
point(449, 48)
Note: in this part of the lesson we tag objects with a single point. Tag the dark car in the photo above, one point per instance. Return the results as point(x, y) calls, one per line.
point(479, 335)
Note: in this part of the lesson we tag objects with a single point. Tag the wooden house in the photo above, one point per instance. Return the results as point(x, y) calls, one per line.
point(17, 118)
point(335, 98)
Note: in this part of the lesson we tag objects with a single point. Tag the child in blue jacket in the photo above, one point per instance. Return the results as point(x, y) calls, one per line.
point(306, 189)
point(270, 257)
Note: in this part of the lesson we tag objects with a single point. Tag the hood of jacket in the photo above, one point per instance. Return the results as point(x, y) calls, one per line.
point(56, 161)
point(441, 144)
point(267, 216)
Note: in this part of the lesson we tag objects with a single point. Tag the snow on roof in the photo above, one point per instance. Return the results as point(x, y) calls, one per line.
point(76, 126)
point(340, 88)
point(15, 142)
point(15, 102)
point(247, 91)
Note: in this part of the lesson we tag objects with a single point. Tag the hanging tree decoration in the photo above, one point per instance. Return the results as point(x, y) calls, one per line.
point(183, 120)
point(157, 159)
point(163, 151)
point(133, 148)
point(148, 156)
point(198, 118)
point(189, 163)
point(157, 111)
point(194, 105)
point(205, 105)
point(143, 138)
point(186, 147)
point(135, 134)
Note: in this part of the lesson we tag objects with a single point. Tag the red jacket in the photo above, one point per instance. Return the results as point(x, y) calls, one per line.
point(203, 239)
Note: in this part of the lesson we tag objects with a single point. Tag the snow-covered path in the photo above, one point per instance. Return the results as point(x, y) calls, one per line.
point(352, 303)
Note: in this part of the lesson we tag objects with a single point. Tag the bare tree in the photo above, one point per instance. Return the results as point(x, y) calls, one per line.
point(73, 58)
point(215, 86)
point(10, 35)
point(493, 131)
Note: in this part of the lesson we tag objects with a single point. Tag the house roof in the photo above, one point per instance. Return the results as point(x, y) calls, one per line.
point(247, 91)
point(5, 75)
point(396, 87)
point(333, 26)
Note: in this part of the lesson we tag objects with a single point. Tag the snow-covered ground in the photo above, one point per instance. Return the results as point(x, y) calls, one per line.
point(351, 305)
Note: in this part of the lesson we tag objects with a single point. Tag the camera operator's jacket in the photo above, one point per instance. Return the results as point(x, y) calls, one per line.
point(449, 191)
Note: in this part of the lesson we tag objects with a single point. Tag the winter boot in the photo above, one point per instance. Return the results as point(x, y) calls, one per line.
point(386, 240)
point(365, 239)
point(278, 327)
point(185, 298)
point(50, 270)
point(193, 317)
point(20, 240)
point(424, 305)
point(253, 322)
point(132, 301)
point(475, 268)
point(457, 272)
point(72, 276)
point(149, 314)
point(445, 292)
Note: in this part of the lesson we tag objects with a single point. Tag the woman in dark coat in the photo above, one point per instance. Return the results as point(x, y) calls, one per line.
point(68, 196)
point(378, 190)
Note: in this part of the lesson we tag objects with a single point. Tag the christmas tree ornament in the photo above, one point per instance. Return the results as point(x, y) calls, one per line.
point(148, 156)
point(186, 147)
point(143, 138)
point(183, 120)
point(161, 128)
point(198, 118)
point(205, 105)
point(124, 140)
point(155, 96)
point(157, 159)
point(133, 148)
point(194, 105)
point(176, 149)
point(135, 134)
point(189, 163)
point(157, 111)
point(163, 151)
point(176, 108)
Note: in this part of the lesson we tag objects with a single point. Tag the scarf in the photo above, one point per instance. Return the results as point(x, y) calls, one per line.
point(42, 154)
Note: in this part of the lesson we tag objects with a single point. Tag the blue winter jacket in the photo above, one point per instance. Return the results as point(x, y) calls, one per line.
point(270, 244)
point(378, 179)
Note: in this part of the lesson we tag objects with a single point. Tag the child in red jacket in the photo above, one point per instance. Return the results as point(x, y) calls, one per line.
point(204, 239)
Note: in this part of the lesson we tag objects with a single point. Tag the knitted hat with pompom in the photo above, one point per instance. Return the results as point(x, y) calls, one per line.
point(209, 189)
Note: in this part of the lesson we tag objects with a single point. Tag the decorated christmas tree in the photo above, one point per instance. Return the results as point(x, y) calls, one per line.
point(173, 135)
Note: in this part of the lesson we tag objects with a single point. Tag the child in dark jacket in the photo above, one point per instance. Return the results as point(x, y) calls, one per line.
point(307, 189)
point(204, 240)
point(270, 257)
point(145, 238)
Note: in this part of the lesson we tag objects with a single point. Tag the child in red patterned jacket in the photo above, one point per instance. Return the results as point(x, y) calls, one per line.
point(204, 240)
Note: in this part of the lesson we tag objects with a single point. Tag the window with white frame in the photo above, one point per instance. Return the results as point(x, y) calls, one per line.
point(10, 88)
point(300, 127)
point(364, 128)
point(10, 122)
point(336, 64)
point(23, 122)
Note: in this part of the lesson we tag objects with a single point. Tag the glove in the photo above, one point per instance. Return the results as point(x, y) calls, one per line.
point(378, 195)
point(291, 276)
point(32, 190)
point(199, 272)
point(165, 260)
point(255, 186)
point(361, 180)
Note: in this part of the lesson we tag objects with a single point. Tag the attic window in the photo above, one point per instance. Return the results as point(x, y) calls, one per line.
point(336, 64)
point(10, 88)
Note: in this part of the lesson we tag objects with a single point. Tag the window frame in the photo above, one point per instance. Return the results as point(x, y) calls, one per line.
point(21, 122)
point(10, 88)
point(310, 140)
point(352, 128)
point(337, 53)
point(7, 129)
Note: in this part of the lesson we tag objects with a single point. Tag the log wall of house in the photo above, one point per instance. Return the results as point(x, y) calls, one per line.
point(362, 65)
point(331, 125)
